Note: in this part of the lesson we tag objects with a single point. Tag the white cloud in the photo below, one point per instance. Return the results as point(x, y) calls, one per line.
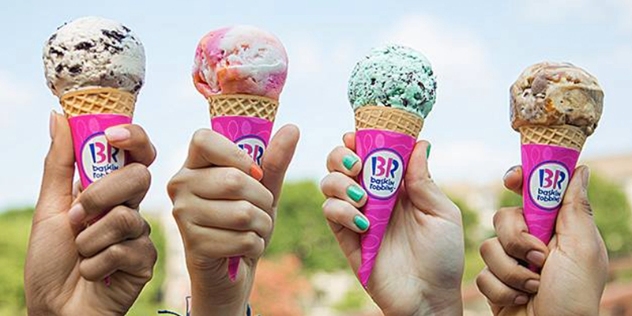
point(560, 11)
point(459, 57)
point(304, 57)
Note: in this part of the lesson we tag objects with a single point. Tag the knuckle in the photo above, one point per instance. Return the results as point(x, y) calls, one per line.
point(179, 209)
point(140, 175)
point(126, 222)
point(243, 213)
point(233, 180)
point(250, 242)
point(200, 137)
point(486, 247)
point(515, 246)
point(115, 253)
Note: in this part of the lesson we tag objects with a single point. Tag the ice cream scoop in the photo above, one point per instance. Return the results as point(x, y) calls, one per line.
point(391, 91)
point(240, 60)
point(94, 52)
point(555, 107)
point(556, 94)
point(394, 76)
point(241, 71)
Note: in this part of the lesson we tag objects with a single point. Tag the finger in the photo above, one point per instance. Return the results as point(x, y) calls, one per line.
point(513, 179)
point(136, 257)
point(205, 243)
point(209, 148)
point(497, 292)
point(422, 190)
point(337, 213)
point(229, 215)
point(343, 213)
point(134, 140)
point(349, 140)
point(77, 188)
point(342, 187)
point(277, 159)
point(507, 269)
point(575, 216)
point(515, 239)
point(344, 160)
point(126, 186)
point(221, 183)
point(120, 224)
point(56, 190)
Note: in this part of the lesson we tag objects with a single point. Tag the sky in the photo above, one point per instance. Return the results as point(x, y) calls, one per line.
point(477, 49)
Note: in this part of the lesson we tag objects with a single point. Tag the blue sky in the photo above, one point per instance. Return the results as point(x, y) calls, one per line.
point(477, 49)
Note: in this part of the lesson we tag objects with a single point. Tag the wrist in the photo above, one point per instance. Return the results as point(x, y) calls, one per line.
point(448, 304)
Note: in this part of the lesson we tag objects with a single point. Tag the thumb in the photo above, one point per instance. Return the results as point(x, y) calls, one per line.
point(56, 190)
point(277, 158)
point(422, 190)
point(576, 213)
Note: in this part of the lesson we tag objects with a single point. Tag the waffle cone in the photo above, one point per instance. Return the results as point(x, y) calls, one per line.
point(98, 101)
point(388, 118)
point(567, 136)
point(243, 105)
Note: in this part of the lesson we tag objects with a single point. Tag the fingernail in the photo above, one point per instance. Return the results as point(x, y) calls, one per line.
point(349, 160)
point(521, 300)
point(51, 124)
point(355, 193)
point(428, 150)
point(76, 214)
point(117, 134)
point(510, 171)
point(532, 285)
point(361, 222)
point(585, 177)
point(256, 172)
point(536, 257)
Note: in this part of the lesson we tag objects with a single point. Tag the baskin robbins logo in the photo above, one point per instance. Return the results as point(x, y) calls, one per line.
point(253, 146)
point(382, 173)
point(547, 184)
point(99, 158)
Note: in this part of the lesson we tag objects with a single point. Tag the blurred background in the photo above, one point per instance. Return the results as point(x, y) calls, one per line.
point(477, 49)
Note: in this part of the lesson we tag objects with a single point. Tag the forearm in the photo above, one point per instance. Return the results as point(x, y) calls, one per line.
point(207, 299)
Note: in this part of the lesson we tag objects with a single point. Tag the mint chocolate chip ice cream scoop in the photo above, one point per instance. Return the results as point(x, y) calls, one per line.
point(394, 76)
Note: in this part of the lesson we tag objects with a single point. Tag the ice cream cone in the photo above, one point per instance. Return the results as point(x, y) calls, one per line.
point(388, 118)
point(385, 137)
point(243, 105)
point(246, 120)
point(566, 136)
point(98, 101)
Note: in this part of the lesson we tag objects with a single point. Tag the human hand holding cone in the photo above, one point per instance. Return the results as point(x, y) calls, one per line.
point(391, 91)
point(555, 107)
point(241, 71)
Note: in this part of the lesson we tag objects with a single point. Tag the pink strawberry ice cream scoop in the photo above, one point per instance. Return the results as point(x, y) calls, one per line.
point(240, 60)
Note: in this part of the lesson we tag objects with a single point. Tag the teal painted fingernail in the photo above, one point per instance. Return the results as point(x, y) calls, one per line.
point(428, 150)
point(355, 193)
point(349, 160)
point(361, 222)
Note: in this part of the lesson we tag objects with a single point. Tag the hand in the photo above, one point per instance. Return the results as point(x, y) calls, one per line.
point(225, 206)
point(68, 261)
point(574, 264)
point(420, 262)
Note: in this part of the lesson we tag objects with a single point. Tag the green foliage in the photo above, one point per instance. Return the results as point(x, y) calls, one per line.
point(301, 229)
point(15, 226)
point(354, 300)
point(470, 225)
point(610, 208)
point(612, 215)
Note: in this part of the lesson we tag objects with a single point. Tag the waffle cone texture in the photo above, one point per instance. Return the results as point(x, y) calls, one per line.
point(388, 118)
point(98, 101)
point(566, 136)
point(243, 105)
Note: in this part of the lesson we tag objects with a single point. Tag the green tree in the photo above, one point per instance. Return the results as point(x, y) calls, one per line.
point(610, 208)
point(301, 229)
point(470, 225)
